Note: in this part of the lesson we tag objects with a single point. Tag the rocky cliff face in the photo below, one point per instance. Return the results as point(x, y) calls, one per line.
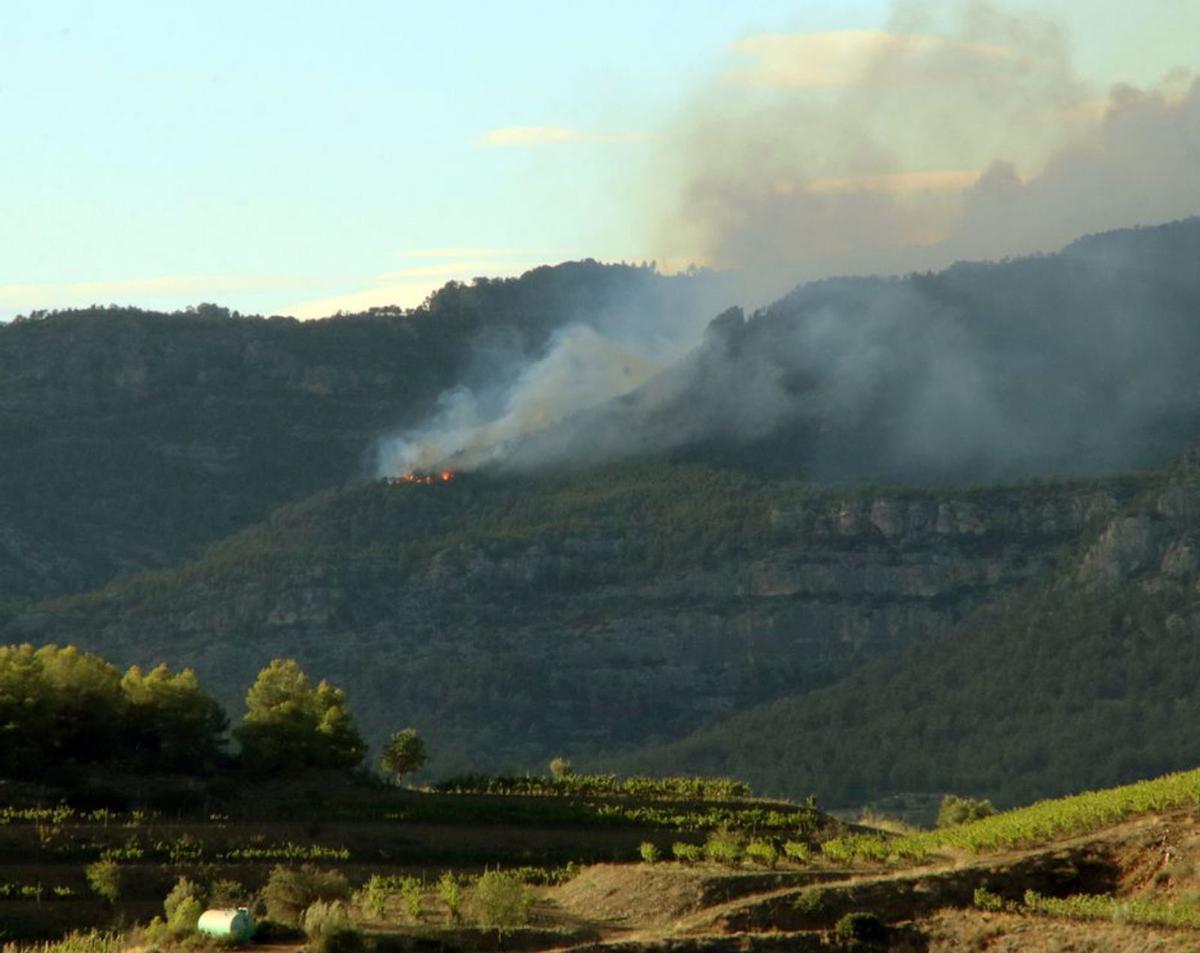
point(504, 656)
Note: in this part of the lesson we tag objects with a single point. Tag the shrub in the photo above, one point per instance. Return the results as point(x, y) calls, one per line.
point(501, 901)
point(184, 889)
point(272, 931)
point(292, 890)
point(689, 853)
point(650, 852)
point(411, 892)
point(374, 896)
point(723, 847)
point(348, 940)
point(185, 916)
point(329, 930)
point(798, 851)
point(561, 768)
point(984, 899)
point(860, 928)
point(451, 893)
point(105, 877)
point(325, 916)
point(762, 852)
point(959, 810)
point(227, 894)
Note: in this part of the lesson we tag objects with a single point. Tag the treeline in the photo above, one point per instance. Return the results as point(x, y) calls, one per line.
point(60, 707)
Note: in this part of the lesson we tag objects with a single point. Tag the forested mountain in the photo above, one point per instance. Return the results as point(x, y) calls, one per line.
point(131, 438)
point(1072, 364)
point(710, 557)
point(510, 619)
point(1086, 677)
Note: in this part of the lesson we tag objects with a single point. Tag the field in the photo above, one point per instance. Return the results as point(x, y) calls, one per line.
point(362, 831)
point(627, 864)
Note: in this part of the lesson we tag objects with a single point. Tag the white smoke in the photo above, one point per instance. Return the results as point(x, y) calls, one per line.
point(966, 138)
point(581, 368)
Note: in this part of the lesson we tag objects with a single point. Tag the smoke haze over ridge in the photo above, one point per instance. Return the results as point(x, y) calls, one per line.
point(949, 136)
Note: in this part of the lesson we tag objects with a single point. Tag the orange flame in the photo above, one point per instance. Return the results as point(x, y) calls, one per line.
point(422, 479)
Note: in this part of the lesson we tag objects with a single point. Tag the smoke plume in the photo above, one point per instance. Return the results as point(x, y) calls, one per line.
point(891, 152)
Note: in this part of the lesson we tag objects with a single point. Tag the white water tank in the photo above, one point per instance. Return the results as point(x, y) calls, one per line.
point(233, 923)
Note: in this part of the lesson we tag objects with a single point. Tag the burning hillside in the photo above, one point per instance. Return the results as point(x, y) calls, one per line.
point(421, 479)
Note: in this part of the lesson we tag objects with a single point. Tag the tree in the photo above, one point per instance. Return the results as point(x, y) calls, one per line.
point(106, 878)
point(403, 753)
point(502, 902)
point(561, 768)
point(959, 810)
point(171, 722)
point(289, 724)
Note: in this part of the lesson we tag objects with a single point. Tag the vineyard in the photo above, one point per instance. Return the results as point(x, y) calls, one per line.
point(599, 785)
point(1035, 824)
point(400, 863)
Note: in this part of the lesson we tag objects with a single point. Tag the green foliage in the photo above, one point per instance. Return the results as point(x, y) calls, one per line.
point(797, 851)
point(864, 928)
point(374, 896)
point(688, 853)
point(958, 810)
point(450, 890)
point(290, 724)
point(171, 721)
point(227, 894)
point(1035, 824)
point(724, 846)
point(185, 916)
point(984, 899)
point(183, 890)
point(412, 893)
point(403, 754)
point(329, 929)
point(80, 941)
point(561, 768)
point(649, 852)
point(501, 901)
point(106, 877)
point(762, 852)
point(61, 705)
point(1100, 907)
point(325, 916)
point(290, 891)
point(569, 784)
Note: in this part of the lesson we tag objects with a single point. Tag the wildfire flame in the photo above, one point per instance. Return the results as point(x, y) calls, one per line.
point(422, 479)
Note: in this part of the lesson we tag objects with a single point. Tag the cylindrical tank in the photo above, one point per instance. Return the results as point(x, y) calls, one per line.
point(232, 923)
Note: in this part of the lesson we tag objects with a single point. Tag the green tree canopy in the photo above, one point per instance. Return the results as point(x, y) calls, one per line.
point(403, 753)
point(58, 704)
point(290, 724)
point(171, 721)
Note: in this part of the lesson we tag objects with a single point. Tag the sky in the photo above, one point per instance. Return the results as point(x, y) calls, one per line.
point(305, 158)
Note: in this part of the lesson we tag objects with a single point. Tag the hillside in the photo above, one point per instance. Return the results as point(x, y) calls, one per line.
point(132, 439)
point(1087, 679)
point(513, 620)
point(1078, 363)
point(661, 564)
